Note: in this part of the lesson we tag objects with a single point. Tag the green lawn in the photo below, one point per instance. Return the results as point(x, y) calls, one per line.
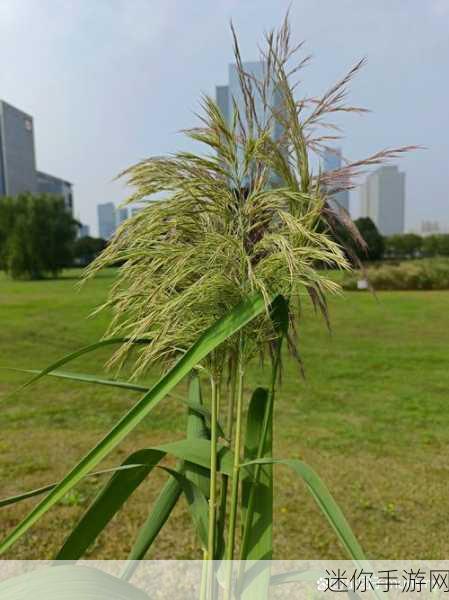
point(371, 417)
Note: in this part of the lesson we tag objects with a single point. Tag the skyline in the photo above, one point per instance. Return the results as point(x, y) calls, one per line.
point(106, 82)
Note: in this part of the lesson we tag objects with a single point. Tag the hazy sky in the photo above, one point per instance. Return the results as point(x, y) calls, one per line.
point(110, 82)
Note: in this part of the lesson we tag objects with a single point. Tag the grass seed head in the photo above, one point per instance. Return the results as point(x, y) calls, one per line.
point(247, 215)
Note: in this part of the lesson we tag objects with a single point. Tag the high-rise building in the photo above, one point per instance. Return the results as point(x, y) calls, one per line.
point(18, 172)
point(332, 160)
point(228, 95)
point(106, 220)
point(222, 99)
point(17, 156)
point(83, 231)
point(382, 198)
point(48, 184)
point(121, 215)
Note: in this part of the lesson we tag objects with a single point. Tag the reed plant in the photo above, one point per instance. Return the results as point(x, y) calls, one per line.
point(215, 267)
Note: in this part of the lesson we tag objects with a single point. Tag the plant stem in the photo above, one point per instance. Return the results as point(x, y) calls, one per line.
point(213, 469)
point(236, 466)
point(225, 478)
point(204, 576)
point(231, 406)
point(267, 425)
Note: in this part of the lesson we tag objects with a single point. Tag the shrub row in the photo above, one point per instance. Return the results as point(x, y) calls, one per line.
point(425, 274)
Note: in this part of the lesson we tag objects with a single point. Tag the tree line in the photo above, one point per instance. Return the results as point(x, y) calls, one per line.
point(38, 237)
point(397, 247)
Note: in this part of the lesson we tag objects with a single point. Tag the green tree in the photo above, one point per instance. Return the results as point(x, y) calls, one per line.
point(436, 245)
point(430, 245)
point(86, 249)
point(406, 245)
point(443, 245)
point(36, 236)
point(374, 240)
point(367, 244)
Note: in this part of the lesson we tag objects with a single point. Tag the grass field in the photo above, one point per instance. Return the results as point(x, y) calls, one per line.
point(371, 417)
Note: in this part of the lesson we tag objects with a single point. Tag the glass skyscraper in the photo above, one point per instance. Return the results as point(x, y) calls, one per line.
point(121, 215)
point(106, 220)
point(332, 161)
point(48, 184)
point(18, 172)
point(17, 156)
point(227, 95)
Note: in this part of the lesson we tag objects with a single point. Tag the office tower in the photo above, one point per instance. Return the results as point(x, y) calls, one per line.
point(18, 172)
point(228, 95)
point(332, 160)
point(17, 157)
point(48, 184)
point(222, 99)
point(106, 220)
point(121, 215)
point(83, 231)
point(382, 198)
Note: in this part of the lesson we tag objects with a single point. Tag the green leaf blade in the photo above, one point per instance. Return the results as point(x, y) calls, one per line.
point(108, 502)
point(170, 493)
point(325, 502)
point(258, 520)
point(208, 341)
point(72, 356)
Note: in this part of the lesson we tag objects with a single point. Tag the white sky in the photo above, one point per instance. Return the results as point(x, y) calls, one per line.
point(110, 82)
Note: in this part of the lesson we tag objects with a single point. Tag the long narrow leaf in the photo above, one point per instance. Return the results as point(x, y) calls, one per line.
point(257, 503)
point(213, 337)
point(108, 502)
point(198, 505)
point(169, 495)
point(325, 502)
point(47, 488)
point(72, 356)
point(198, 428)
point(258, 526)
point(257, 531)
point(87, 378)
point(205, 413)
point(197, 451)
point(122, 484)
point(160, 511)
point(83, 378)
point(68, 582)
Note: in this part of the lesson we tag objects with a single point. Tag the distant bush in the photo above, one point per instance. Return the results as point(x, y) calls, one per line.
point(425, 274)
point(436, 245)
point(410, 245)
point(406, 245)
